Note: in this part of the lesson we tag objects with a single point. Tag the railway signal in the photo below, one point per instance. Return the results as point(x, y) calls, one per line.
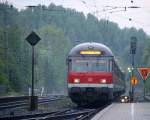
point(134, 81)
point(133, 45)
point(132, 52)
point(33, 39)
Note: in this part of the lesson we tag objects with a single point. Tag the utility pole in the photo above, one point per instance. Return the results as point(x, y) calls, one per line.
point(132, 52)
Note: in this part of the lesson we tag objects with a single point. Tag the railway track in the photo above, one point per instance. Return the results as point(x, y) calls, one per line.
point(23, 101)
point(69, 114)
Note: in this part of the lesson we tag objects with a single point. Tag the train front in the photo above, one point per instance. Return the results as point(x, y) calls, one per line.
point(90, 73)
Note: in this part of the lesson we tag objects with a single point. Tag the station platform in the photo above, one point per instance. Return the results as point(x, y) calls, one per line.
point(124, 111)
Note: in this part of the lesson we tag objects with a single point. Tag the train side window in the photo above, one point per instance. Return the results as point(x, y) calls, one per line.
point(114, 67)
point(110, 65)
point(69, 62)
point(116, 71)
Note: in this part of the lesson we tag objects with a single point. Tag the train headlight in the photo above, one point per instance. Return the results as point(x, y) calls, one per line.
point(126, 97)
point(122, 100)
point(76, 80)
point(103, 81)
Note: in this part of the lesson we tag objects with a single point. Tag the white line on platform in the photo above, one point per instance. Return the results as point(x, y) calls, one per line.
point(132, 111)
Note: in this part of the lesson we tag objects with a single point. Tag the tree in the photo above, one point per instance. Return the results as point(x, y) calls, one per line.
point(52, 51)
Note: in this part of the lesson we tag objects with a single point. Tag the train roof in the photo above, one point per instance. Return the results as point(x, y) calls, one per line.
point(90, 46)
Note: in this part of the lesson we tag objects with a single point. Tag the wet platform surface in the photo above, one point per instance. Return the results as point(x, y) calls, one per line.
point(125, 111)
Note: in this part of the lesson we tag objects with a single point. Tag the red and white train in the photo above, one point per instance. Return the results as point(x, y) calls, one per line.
point(93, 74)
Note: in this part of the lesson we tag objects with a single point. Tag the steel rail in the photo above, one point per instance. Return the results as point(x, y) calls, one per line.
point(73, 113)
point(23, 102)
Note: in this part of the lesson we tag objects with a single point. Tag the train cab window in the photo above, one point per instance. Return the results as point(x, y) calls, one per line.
point(79, 66)
point(90, 65)
point(99, 65)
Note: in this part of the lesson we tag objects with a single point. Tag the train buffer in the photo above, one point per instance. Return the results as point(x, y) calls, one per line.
point(125, 111)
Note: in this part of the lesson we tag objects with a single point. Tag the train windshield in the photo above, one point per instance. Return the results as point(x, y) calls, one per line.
point(91, 65)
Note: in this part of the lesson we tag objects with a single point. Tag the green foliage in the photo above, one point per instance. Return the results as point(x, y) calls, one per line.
point(53, 50)
point(3, 79)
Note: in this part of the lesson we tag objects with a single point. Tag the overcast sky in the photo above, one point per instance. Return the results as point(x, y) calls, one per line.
point(140, 17)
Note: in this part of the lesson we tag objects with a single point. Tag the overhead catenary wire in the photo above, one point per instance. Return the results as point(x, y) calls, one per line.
point(117, 9)
point(130, 19)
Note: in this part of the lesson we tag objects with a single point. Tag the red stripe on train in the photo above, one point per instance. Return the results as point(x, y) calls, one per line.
point(90, 77)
